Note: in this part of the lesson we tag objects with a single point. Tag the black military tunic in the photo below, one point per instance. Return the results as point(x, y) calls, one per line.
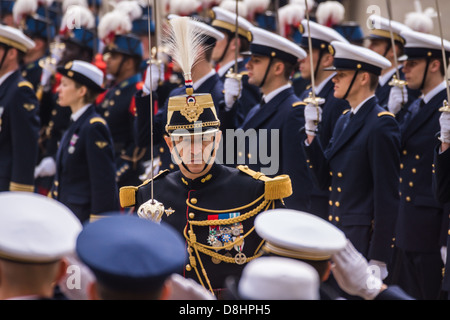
point(219, 208)
point(118, 110)
point(85, 176)
point(19, 133)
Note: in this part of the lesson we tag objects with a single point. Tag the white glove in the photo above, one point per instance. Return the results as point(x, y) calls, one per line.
point(354, 275)
point(46, 168)
point(157, 74)
point(444, 254)
point(397, 97)
point(313, 115)
point(232, 88)
point(444, 122)
point(187, 289)
point(381, 272)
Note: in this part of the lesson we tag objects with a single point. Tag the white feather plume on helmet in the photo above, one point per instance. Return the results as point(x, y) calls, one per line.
point(330, 13)
point(23, 8)
point(230, 5)
point(185, 7)
point(420, 20)
point(113, 23)
point(132, 8)
point(290, 15)
point(77, 16)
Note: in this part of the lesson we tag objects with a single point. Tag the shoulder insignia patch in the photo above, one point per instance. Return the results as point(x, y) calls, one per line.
point(101, 144)
point(127, 194)
point(299, 103)
point(278, 187)
point(386, 113)
point(97, 119)
point(124, 84)
point(25, 84)
point(29, 106)
point(345, 111)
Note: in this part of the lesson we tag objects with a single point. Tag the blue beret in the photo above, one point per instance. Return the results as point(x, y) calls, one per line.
point(129, 253)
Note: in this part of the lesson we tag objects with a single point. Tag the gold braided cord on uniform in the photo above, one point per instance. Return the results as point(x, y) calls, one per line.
point(227, 221)
point(209, 250)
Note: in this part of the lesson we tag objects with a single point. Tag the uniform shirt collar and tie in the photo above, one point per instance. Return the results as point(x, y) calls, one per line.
point(75, 116)
point(430, 95)
point(423, 100)
point(355, 110)
point(5, 76)
point(273, 94)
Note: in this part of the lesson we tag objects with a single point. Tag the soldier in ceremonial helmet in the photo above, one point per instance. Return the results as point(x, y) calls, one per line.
point(123, 56)
point(211, 205)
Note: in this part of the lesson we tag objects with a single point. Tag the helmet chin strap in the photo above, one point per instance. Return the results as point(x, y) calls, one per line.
point(225, 50)
point(207, 163)
point(267, 72)
point(4, 56)
point(351, 85)
point(425, 74)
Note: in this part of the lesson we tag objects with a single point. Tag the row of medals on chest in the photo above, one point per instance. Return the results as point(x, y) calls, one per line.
point(222, 235)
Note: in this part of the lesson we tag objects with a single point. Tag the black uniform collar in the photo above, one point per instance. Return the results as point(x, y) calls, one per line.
point(204, 180)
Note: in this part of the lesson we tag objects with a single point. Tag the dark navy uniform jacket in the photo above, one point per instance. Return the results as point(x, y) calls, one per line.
point(19, 133)
point(332, 109)
point(420, 214)
point(222, 193)
point(284, 114)
point(118, 110)
point(212, 85)
point(85, 179)
point(32, 72)
point(441, 187)
point(361, 167)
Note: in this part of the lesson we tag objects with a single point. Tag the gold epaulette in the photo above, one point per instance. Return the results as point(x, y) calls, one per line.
point(25, 84)
point(14, 186)
point(97, 119)
point(386, 113)
point(95, 217)
point(299, 103)
point(345, 111)
point(127, 194)
point(278, 187)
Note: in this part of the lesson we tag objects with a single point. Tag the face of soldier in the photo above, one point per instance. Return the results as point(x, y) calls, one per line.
point(305, 64)
point(194, 151)
point(113, 63)
point(219, 48)
point(342, 81)
point(414, 70)
point(68, 93)
point(257, 66)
